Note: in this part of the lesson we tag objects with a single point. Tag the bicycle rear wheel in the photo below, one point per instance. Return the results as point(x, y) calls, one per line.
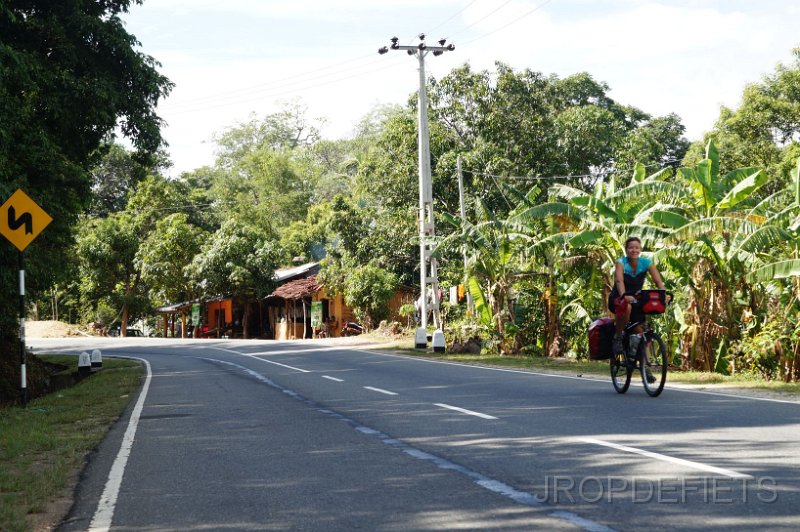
point(654, 364)
point(620, 373)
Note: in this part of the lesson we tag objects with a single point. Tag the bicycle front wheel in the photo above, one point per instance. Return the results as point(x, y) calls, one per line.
point(620, 373)
point(654, 364)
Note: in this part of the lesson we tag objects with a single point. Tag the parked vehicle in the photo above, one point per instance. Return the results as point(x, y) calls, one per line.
point(130, 331)
point(352, 329)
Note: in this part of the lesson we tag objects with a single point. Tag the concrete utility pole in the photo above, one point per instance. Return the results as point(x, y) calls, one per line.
point(470, 306)
point(429, 280)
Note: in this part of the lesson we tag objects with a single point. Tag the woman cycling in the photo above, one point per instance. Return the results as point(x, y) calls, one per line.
point(629, 274)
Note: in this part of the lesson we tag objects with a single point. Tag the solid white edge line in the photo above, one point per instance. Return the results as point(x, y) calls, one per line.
point(677, 387)
point(665, 458)
point(332, 378)
point(465, 411)
point(108, 500)
point(379, 390)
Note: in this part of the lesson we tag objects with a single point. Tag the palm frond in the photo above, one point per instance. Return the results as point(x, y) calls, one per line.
point(482, 308)
point(775, 201)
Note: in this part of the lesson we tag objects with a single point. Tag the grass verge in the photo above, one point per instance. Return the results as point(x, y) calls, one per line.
point(42, 447)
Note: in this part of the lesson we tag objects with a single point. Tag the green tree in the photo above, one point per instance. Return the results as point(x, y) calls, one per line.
point(117, 175)
point(106, 248)
point(163, 256)
point(763, 131)
point(69, 74)
point(367, 290)
point(238, 260)
point(493, 248)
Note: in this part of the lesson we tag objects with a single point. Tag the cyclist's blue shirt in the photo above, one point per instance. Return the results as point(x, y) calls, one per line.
point(634, 280)
point(641, 266)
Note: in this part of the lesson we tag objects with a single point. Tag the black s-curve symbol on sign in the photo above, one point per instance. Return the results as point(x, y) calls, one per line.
point(15, 223)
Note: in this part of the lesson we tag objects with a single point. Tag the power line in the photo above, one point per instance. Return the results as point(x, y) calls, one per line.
point(285, 90)
point(514, 21)
point(275, 83)
point(452, 17)
point(492, 12)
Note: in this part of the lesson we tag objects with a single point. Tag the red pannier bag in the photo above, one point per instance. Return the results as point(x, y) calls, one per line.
point(601, 336)
point(654, 301)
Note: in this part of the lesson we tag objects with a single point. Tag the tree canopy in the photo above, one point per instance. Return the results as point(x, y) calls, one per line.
point(69, 75)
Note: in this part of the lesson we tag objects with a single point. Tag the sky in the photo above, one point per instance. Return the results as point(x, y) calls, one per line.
point(234, 60)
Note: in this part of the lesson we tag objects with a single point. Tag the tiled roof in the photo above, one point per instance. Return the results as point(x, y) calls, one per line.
point(298, 288)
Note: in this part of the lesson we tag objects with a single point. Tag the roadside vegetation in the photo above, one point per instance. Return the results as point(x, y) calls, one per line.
point(43, 446)
point(582, 367)
point(556, 175)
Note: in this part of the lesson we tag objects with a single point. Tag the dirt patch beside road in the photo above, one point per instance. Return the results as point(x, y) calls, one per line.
point(51, 329)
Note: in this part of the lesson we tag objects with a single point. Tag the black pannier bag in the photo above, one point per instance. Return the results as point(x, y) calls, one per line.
point(601, 336)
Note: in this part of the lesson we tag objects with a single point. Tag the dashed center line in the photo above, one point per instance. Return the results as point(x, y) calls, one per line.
point(379, 390)
point(332, 378)
point(465, 411)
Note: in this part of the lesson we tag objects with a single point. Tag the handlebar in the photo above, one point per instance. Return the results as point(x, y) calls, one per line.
point(639, 295)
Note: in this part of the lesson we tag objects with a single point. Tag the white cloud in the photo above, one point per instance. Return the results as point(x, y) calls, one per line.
point(232, 58)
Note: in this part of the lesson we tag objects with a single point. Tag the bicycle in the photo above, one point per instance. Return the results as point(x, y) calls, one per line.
point(648, 355)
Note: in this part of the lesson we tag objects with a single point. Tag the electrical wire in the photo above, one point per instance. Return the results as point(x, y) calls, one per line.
point(514, 21)
point(285, 89)
point(452, 17)
point(288, 81)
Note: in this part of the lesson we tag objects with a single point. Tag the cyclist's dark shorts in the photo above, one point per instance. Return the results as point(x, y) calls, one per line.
point(636, 311)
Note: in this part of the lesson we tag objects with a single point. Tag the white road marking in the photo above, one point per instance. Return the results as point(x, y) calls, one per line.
point(665, 458)
point(465, 411)
point(332, 378)
point(261, 359)
point(379, 390)
point(108, 500)
point(496, 486)
point(585, 378)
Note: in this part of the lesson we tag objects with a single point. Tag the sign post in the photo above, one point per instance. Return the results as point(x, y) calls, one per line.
point(21, 220)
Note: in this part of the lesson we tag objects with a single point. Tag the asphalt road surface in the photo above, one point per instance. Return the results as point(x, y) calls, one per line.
point(258, 435)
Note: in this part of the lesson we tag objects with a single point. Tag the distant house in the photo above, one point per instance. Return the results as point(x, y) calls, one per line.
point(300, 307)
point(289, 307)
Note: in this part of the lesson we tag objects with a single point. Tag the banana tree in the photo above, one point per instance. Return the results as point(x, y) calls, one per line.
point(779, 275)
point(494, 265)
point(582, 237)
point(717, 229)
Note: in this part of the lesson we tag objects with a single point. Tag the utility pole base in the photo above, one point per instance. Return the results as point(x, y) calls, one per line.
point(438, 341)
point(421, 341)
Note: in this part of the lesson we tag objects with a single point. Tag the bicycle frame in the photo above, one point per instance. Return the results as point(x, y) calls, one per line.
point(650, 359)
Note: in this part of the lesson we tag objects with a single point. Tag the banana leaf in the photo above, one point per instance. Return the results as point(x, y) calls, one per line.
point(482, 309)
point(744, 188)
point(776, 270)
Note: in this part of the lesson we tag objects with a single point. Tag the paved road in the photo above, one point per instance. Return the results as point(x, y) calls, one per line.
point(245, 435)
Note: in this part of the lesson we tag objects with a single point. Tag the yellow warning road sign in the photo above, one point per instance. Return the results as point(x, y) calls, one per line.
point(21, 219)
